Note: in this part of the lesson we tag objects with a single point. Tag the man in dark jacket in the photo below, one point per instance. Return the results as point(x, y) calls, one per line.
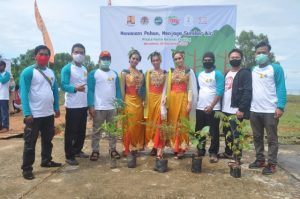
point(236, 99)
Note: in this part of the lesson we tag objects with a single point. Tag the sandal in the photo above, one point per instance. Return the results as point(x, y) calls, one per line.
point(114, 154)
point(153, 152)
point(224, 156)
point(94, 156)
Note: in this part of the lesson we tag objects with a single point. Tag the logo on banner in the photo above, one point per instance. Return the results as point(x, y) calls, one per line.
point(203, 20)
point(130, 20)
point(188, 20)
point(144, 20)
point(173, 20)
point(158, 20)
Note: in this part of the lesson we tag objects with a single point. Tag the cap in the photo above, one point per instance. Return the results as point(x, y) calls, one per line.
point(105, 54)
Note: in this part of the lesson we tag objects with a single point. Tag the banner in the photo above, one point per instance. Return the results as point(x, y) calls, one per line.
point(194, 29)
point(41, 25)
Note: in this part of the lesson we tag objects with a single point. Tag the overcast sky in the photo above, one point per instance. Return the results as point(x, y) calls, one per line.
point(72, 21)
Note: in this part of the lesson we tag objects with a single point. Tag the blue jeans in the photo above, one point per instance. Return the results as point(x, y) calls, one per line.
point(4, 114)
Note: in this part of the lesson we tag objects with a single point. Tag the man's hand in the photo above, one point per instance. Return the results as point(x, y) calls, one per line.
point(208, 109)
point(57, 114)
point(28, 119)
point(240, 114)
point(80, 88)
point(278, 113)
point(92, 112)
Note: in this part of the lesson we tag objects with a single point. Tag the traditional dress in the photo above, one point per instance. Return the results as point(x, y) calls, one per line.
point(181, 91)
point(133, 90)
point(155, 109)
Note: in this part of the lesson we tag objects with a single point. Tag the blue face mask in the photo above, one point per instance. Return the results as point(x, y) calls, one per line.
point(104, 64)
point(261, 59)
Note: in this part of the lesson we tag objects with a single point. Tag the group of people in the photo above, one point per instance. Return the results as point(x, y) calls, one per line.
point(150, 99)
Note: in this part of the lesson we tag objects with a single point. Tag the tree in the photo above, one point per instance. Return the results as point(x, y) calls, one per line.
point(60, 60)
point(19, 63)
point(246, 42)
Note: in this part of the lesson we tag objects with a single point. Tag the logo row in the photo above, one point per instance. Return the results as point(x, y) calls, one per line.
point(173, 20)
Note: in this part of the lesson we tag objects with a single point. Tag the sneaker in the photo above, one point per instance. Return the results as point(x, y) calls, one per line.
point(72, 162)
point(213, 158)
point(257, 164)
point(81, 155)
point(269, 169)
point(28, 175)
point(50, 164)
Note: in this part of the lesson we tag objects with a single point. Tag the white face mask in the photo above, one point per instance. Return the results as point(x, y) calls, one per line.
point(78, 58)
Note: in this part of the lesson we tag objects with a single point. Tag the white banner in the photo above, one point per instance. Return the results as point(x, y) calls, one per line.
point(194, 29)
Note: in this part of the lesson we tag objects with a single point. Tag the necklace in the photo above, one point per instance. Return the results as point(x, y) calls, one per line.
point(157, 77)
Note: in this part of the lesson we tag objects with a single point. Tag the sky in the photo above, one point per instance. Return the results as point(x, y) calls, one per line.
point(73, 21)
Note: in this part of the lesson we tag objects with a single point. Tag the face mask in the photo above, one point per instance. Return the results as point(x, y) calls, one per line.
point(208, 65)
point(78, 58)
point(261, 59)
point(235, 62)
point(104, 64)
point(42, 60)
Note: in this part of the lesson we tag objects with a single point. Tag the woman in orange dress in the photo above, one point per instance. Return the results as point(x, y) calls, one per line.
point(181, 99)
point(155, 110)
point(133, 91)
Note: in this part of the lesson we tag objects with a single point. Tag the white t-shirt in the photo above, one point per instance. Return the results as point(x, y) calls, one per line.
point(40, 95)
point(4, 89)
point(226, 103)
point(105, 89)
point(78, 77)
point(264, 98)
point(208, 90)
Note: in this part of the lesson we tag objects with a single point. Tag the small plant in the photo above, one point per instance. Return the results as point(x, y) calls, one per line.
point(195, 136)
point(240, 131)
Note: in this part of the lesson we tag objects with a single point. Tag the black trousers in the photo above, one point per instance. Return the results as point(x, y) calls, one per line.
point(203, 119)
point(230, 134)
point(76, 119)
point(45, 125)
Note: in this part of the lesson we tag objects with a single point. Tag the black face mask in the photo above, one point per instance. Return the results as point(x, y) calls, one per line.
point(235, 62)
point(208, 65)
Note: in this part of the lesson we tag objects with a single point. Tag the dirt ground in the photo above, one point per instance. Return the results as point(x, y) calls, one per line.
point(97, 180)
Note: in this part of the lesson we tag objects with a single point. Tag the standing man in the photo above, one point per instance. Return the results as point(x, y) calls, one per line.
point(4, 98)
point(40, 103)
point(74, 83)
point(267, 106)
point(211, 89)
point(103, 89)
point(236, 100)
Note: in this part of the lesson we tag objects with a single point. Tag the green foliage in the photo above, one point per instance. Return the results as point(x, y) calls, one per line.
point(195, 136)
point(246, 42)
point(114, 128)
point(60, 60)
point(244, 139)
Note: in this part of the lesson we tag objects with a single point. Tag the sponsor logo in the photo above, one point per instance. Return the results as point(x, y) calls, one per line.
point(130, 20)
point(173, 20)
point(188, 20)
point(202, 20)
point(144, 20)
point(158, 20)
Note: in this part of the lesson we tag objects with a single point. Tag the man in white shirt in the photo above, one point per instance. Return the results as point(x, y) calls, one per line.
point(40, 103)
point(236, 101)
point(267, 106)
point(4, 98)
point(74, 83)
point(211, 89)
point(103, 89)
